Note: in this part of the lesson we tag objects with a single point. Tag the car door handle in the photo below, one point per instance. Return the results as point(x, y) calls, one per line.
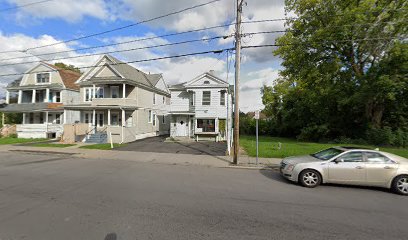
point(387, 167)
point(359, 167)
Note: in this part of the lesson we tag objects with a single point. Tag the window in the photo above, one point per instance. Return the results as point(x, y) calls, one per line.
point(150, 116)
point(43, 77)
point(88, 94)
point(352, 157)
point(192, 99)
point(206, 98)
point(222, 100)
point(154, 98)
point(154, 119)
point(207, 125)
point(206, 82)
point(115, 92)
point(115, 119)
point(86, 117)
point(100, 92)
point(327, 154)
point(57, 118)
point(373, 157)
point(57, 97)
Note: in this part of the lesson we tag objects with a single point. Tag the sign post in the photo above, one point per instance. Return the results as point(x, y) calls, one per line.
point(257, 118)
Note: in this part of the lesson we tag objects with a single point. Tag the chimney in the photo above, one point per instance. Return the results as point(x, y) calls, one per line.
point(212, 72)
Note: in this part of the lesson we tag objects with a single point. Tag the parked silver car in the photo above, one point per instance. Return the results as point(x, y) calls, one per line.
point(348, 165)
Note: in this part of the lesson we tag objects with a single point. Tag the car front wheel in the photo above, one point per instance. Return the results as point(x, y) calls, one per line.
point(310, 178)
point(400, 185)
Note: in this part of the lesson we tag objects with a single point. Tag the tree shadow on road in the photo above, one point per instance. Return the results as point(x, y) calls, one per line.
point(274, 175)
point(111, 236)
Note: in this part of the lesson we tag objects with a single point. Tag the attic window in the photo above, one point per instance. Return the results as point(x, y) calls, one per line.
point(43, 77)
point(206, 82)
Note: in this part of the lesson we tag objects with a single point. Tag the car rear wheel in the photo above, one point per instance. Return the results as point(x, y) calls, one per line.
point(310, 178)
point(400, 185)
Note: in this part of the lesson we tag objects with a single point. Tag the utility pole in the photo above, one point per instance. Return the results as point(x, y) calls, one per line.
point(237, 72)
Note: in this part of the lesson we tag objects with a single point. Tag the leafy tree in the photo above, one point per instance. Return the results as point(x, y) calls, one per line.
point(345, 68)
point(68, 67)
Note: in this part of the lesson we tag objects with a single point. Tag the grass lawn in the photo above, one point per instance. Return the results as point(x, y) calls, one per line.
point(55, 145)
point(9, 140)
point(268, 147)
point(102, 146)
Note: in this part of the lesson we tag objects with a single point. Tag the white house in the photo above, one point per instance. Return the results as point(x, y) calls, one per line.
point(42, 93)
point(121, 101)
point(201, 108)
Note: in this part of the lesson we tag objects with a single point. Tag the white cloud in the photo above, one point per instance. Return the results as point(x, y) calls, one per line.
point(68, 10)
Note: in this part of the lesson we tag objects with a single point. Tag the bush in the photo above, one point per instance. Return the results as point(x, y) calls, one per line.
point(313, 133)
point(386, 136)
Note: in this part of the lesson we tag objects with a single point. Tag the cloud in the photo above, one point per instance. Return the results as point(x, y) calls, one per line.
point(257, 79)
point(68, 10)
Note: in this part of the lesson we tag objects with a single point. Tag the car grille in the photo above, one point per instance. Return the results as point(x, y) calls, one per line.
point(283, 165)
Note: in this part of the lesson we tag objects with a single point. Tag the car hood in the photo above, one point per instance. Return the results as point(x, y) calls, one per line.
point(301, 159)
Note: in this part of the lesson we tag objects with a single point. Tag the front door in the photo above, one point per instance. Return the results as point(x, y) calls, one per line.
point(349, 169)
point(181, 126)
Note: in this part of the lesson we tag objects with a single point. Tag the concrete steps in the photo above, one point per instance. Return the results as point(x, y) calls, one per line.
point(99, 137)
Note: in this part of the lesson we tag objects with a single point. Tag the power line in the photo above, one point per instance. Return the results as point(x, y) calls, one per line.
point(196, 40)
point(174, 34)
point(25, 5)
point(119, 28)
point(140, 39)
point(117, 51)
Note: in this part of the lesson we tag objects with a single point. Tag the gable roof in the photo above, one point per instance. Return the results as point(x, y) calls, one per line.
point(206, 74)
point(126, 72)
point(68, 77)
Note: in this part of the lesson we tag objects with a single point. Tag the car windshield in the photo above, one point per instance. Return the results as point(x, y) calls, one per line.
point(327, 154)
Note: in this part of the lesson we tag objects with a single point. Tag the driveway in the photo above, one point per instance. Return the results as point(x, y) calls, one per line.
point(157, 144)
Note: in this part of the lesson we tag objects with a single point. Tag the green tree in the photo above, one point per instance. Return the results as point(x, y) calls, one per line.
point(344, 68)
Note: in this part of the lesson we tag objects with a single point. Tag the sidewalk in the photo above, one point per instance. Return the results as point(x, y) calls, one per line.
point(152, 157)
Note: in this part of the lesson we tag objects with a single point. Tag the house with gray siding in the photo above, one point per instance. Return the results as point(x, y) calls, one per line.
point(122, 103)
point(41, 94)
point(201, 108)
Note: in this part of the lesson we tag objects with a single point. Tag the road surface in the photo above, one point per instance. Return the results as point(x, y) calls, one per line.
point(49, 196)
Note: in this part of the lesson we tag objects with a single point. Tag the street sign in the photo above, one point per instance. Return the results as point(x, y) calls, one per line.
point(257, 114)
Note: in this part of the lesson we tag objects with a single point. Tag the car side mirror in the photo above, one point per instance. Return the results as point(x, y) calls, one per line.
point(339, 160)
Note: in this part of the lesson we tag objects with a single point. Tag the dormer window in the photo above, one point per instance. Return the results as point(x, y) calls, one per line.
point(206, 82)
point(43, 77)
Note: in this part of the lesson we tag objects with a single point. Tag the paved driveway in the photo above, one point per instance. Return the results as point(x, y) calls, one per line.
point(157, 144)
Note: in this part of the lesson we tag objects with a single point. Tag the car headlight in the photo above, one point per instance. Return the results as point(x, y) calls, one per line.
point(290, 167)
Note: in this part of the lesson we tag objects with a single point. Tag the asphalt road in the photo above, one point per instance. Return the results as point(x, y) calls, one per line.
point(61, 197)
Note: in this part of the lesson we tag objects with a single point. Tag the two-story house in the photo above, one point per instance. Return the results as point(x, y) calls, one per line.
point(42, 93)
point(122, 103)
point(201, 108)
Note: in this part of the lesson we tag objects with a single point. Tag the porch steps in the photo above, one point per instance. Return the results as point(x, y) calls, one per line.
point(99, 137)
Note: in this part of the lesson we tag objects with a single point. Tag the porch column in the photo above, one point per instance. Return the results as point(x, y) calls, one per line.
point(123, 126)
point(93, 118)
point(47, 95)
point(7, 97)
point(109, 117)
point(123, 118)
point(33, 97)
point(65, 117)
point(124, 91)
point(3, 119)
point(20, 96)
point(24, 118)
point(46, 121)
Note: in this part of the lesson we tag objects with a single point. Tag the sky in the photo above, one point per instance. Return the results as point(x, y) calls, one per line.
point(53, 21)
